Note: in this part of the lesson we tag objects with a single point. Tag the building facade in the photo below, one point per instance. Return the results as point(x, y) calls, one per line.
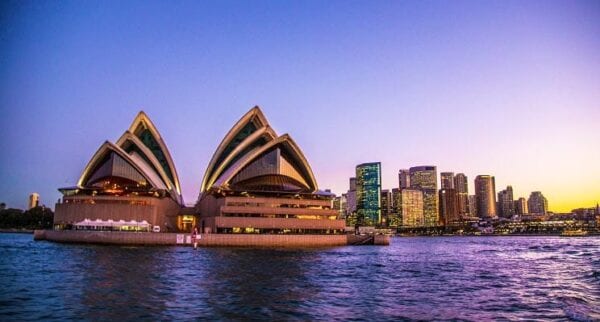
point(386, 206)
point(395, 220)
point(339, 204)
point(449, 214)
point(351, 219)
point(368, 193)
point(537, 203)
point(462, 192)
point(411, 208)
point(34, 200)
point(506, 205)
point(403, 178)
point(521, 206)
point(473, 206)
point(447, 180)
point(424, 178)
point(485, 192)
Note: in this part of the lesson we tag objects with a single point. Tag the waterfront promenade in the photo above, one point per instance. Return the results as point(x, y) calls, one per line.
point(206, 240)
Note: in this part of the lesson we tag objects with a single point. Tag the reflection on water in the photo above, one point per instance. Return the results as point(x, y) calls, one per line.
point(467, 278)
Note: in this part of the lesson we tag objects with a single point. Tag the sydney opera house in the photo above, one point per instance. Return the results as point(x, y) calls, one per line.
point(256, 183)
point(128, 185)
point(259, 182)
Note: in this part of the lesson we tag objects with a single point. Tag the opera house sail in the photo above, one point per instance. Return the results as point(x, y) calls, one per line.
point(129, 185)
point(260, 183)
point(257, 182)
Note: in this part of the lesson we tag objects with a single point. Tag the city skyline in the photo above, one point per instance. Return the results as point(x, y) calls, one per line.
point(506, 89)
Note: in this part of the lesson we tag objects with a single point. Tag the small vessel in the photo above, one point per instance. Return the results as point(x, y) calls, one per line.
point(574, 233)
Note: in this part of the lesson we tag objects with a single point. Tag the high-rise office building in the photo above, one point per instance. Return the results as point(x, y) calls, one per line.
point(447, 179)
point(351, 203)
point(462, 192)
point(394, 219)
point(352, 183)
point(485, 192)
point(351, 196)
point(537, 203)
point(410, 207)
point(34, 200)
point(368, 193)
point(339, 204)
point(473, 206)
point(521, 206)
point(448, 207)
point(344, 205)
point(404, 178)
point(506, 205)
point(386, 206)
point(336, 204)
point(424, 178)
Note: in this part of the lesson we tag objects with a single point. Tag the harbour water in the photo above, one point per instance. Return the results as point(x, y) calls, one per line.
point(467, 278)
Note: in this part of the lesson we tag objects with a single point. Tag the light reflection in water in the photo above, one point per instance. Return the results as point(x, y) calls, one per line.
point(416, 278)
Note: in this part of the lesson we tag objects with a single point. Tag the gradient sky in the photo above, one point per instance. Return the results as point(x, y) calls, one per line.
point(508, 88)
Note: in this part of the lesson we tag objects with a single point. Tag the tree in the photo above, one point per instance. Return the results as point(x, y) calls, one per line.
point(34, 218)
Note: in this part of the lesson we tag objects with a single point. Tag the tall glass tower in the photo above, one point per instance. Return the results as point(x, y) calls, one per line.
point(462, 191)
point(368, 193)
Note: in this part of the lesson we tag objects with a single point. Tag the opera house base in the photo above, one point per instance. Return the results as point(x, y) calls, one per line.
point(207, 240)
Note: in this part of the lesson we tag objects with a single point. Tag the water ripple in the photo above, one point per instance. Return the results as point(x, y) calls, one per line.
point(454, 278)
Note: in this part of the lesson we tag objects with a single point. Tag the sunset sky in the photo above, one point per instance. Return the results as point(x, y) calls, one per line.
point(506, 88)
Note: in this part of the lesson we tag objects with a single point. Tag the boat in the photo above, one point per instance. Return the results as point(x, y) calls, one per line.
point(574, 233)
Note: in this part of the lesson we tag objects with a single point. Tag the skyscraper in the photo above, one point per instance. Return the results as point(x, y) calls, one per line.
point(352, 183)
point(386, 206)
point(537, 203)
point(351, 196)
point(394, 219)
point(339, 204)
point(447, 179)
point(351, 203)
point(424, 178)
point(448, 207)
point(506, 206)
point(411, 207)
point(462, 192)
point(473, 206)
point(403, 178)
point(521, 206)
point(368, 193)
point(34, 200)
point(485, 192)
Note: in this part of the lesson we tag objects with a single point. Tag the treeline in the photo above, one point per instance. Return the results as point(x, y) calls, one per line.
point(34, 218)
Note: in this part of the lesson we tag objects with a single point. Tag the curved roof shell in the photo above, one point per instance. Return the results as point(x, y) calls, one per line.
point(139, 153)
point(252, 156)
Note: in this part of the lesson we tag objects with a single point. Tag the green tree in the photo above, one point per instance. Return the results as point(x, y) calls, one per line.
point(34, 218)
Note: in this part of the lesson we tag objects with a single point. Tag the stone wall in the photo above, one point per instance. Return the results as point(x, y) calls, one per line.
point(157, 211)
point(207, 240)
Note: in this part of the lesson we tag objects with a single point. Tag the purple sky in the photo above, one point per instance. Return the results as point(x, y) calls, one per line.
point(508, 88)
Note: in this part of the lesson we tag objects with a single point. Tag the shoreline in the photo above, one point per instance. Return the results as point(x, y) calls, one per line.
point(206, 240)
point(500, 235)
point(31, 231)
point(16, 231)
